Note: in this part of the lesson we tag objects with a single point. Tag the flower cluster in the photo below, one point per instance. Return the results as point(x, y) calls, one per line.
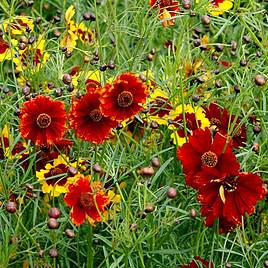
point(224, 191)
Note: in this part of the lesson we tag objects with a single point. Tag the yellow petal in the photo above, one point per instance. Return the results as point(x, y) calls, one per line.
point(221, 192)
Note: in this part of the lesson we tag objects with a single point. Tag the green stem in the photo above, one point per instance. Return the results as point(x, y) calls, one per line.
point(90, 256)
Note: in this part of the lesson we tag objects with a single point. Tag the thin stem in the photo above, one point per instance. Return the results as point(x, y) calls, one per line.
point(90, 257)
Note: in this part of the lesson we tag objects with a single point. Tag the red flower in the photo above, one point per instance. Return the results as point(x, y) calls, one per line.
point(123, 98)
point(43, 120)
point(229, 198)
point(196, 263)
point(87, 201)
point(88, 121)
point(219, 118)
point(202, 153)
point(167, 10)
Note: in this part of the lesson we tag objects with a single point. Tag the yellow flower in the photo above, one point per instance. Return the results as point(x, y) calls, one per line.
point(70, 36)
point(159, 107)
point(32, 57)
point(194, 118)
point(218, 7)
point(84, 33)
point(54, 178)
point(18, 25)
point(6, 49)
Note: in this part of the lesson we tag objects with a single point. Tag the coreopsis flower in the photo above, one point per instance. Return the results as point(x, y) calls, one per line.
point(159, 107)
point(204, 153)
point(194, 118)
point(218, 7)
point(88, 121)
point(54, 177)
point(123, 98)
point(33, 57)
point(84, 33)
point(9, 148)
point(196, 262)
point(43, 120)
point(7, 51)
point(70, 36)
point(87, 199)
point(167, 10)
point(221, 121)
point(18, 25)
point(229, 197)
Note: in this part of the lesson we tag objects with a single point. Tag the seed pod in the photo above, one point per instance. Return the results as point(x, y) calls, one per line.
point(246, 39)
point(142, 77)
point(133, 227)
point(236, 89)
point(53, 223)
point(219, 47)
point(69, 233)
point(256, 147)
point(50, 85)
point(29, 186)
point(256, 128)
point(67, 79)
point(73, 171)
point(26, 90)
point(56, 18)
point(38, 20)
point(195, 98)
point(142, 214)
point(68, 54)
point(259, 80)
point(22, 46)
point(97, 168)
point(186, 4)
point(155, 162)
point(111, 65)
point(228, 265)
point(233, 45)
point(54, 212)
point(70, 87)
point(103, 68)
point(243, 63)
point(206, 19)
point(146, 171)
point(171, 193)
point(218, 83)
point(58, 92)
point(11, 207)
point(41, 253)
point(53, 253)
point(17, 112)
point(154, 125)
point(192, 213)
point(89, 16)
point(150, 57)
point(23, 39)
point(197, 42)
point(149, 208)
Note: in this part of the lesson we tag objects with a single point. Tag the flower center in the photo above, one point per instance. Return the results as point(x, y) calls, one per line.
point(86, 200)
point(95, 115)
point(215, 121)
point(56, 171)
point(230, 184)
point(43, 120)
point(209, 159)
point(125, 99)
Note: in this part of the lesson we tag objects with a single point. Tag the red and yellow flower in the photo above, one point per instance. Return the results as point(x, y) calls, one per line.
point(167, 10)
point(123, 98)
point(7, 51)
point(218, 7)
point(87, 199)
point(202, 153)
point(84, 33)
point(196, 262)
point(159, 107)
point(194, 118)
point(18, 25)
point(229, 197)
point(43, 120)
point(70, 36)
point(33, 57)
point(88, 121)
point(54, 177)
